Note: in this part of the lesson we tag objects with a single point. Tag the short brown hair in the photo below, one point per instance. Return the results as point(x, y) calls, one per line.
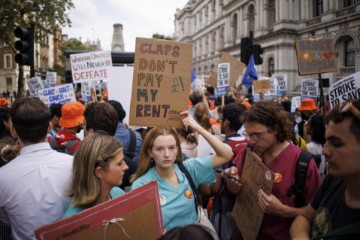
point(30, 118)
point(101, 116)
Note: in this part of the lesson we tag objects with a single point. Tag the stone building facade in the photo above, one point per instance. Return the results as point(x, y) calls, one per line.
point(215, 26)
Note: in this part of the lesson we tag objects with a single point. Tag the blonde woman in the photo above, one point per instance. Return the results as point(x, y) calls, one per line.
point(98, 169)
point(160, 157)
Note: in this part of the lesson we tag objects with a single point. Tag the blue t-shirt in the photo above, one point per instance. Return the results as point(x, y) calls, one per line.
point(176, 208)
point(115, 192)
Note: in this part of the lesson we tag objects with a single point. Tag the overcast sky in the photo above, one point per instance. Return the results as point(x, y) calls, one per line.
point(94, 19)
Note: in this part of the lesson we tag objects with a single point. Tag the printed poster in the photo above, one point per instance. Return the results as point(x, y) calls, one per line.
point(346, 89)
point(50, 79)
point(315, 56)
point(281, 84)
point(90, 66)
point(309, 88)
point(118, 218)
point(161, 82)
point(247, 212)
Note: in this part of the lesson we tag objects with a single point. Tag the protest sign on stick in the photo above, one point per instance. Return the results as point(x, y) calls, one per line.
point(346, 89)
point(161, 82)
point(223, 78)
point(50, 79)
point(315, 56)
point(118, 218)
point(281, 84)
point(309, 88)
point(90, 66)
point(261, 85)
point(247, 212)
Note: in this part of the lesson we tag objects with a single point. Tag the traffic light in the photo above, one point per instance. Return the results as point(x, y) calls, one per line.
point(258, 51)
point(246, 50)
point(25, 46)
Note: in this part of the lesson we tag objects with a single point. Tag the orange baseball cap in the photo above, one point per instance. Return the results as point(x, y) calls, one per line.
point(308, 104)
point(72, 115)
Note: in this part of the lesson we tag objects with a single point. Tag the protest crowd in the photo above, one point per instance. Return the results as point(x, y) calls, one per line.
point(61, 160)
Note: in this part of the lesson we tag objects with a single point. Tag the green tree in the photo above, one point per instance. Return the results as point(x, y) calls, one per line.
point(45, 14)
point(160, 36)
point(71, 44)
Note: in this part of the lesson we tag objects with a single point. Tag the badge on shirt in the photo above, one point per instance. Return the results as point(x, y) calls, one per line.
point(188, 194)
point(162, 200)
point(278, 178)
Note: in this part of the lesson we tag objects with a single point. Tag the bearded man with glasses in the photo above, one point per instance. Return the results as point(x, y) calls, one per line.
point(269, 130)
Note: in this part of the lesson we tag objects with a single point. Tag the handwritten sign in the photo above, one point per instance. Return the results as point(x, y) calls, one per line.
point(309, 88)
point(261, 85)
point(50, 79)
point(34, 84)
point(346, 89)
point(90, 66)
point(118, 218)
point(247, 212)
point(281, 84)
point(236, 69)
point(315, 56)
point(161, 82)
point(59, 94)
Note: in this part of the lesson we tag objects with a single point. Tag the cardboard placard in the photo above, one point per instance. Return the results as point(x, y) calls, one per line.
point(315, 56)
point(34, 84)
point(90, 66)
point(236, 69)
point(136, 214)
point(161, 82)
point(247, 212)
point(59, 94)
point(346, 89)
point(309, 88)
point(261, 85)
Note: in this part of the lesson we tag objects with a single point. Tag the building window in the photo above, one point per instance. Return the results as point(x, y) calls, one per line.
point(349, 53)
point(9, 83)
point(271, 66)
point(271, 13)
point(7, 61)
point(234, 27)
point(348, 3)
point(319, 9)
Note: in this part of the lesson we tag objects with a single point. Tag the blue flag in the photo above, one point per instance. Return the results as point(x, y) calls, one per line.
point(193, 75)
point(250, 74)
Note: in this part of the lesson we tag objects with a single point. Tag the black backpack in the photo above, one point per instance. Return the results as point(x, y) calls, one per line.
point(130, 159)
point(297, 188)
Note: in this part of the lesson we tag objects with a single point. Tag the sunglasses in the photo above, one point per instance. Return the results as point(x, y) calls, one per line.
point(348, 106)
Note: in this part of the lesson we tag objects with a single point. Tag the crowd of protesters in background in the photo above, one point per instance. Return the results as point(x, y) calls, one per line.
point(78, 155)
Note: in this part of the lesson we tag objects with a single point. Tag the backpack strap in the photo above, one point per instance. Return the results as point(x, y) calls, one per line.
point(192, 184)
point(302, 166)
point(131, 148)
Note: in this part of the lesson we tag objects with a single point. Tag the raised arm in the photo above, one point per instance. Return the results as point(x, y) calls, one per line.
point(223, 152)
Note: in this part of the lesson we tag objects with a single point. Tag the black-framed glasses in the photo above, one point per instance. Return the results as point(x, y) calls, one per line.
point(348, 106)
point(254, 136)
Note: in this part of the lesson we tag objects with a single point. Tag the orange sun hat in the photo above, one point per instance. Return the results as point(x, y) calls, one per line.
point(308, 104)
point(4, 102)
point(72, 115)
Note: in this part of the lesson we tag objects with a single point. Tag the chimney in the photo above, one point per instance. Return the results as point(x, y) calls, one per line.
point(117, 39)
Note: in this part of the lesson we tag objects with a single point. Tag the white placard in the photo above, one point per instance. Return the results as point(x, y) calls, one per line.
point(90, 66)
point(346, 89)
point(59, 94)
point(223, 76)
point(309, 88)
point(34, 84)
